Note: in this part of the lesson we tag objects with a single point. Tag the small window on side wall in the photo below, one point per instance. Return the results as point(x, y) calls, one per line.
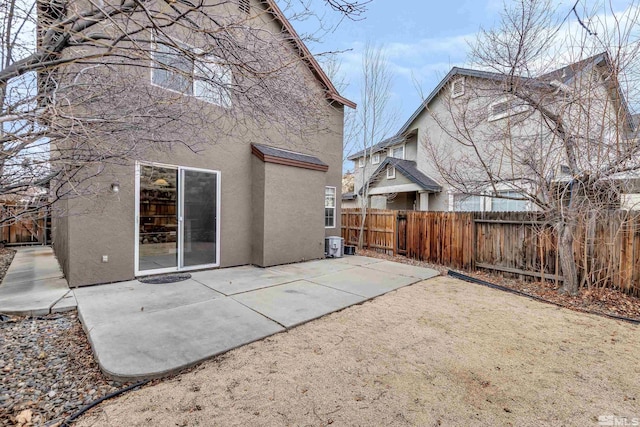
point(391, 172)
point(361, 162)
point(375, 159)
point(329, 207)
point(457, 87)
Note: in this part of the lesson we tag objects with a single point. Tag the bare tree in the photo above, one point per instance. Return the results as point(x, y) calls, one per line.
point(374, 119)
point(529, 129)
point(77, 98)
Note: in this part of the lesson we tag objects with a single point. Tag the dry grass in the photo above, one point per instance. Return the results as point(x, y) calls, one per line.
point(442, 352)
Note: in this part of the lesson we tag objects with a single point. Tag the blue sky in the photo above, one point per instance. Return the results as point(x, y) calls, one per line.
point(423, 40)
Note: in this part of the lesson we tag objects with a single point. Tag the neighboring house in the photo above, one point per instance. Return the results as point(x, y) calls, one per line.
point(399, 172)
point(235, 202)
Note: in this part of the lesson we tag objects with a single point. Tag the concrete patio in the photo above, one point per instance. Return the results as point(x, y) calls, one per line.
point(140, 330)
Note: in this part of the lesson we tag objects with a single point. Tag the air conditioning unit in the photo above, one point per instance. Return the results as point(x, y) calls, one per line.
point(333, 246)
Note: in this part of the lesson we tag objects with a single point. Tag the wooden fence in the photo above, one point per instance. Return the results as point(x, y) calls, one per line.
point(28, 229)
point(607, 249)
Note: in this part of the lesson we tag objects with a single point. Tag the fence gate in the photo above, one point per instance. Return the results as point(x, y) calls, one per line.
point(401, 233)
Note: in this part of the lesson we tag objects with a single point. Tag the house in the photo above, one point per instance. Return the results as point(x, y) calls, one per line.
point(426, 166)
point(256, 196)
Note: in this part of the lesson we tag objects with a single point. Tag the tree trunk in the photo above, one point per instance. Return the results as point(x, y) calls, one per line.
point(566, 232)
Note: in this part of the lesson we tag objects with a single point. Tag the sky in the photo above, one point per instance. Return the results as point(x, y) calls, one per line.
point(423, 40)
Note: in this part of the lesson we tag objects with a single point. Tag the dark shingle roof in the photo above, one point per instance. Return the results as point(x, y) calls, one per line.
point(291, 158)
point(349, 196)
point(410, 170)
point(379, 146)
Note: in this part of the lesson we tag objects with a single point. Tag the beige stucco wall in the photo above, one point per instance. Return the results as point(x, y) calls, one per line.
point(290, 233)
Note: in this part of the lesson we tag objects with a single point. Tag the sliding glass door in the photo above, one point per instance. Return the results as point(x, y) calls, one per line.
point(199, 207)
point(177, 218)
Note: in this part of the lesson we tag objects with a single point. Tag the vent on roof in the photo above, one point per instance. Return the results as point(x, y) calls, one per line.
point(457, 87)
point(243, 5)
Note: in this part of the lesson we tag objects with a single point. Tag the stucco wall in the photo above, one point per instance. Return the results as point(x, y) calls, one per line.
point(291, 232)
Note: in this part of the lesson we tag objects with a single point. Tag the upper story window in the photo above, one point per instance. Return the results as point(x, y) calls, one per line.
point(205, 78)
point(375, 158)
point(397, 152)
point(457, 87)
point(361, 162)
point(506, 107)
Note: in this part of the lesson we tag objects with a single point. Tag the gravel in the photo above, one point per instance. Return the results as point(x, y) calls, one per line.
point(47, 370)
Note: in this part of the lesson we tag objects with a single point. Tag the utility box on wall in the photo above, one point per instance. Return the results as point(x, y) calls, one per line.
point(333, 246)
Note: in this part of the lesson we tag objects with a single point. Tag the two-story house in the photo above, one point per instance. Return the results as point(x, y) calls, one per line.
point(470, 127)
point(253, 190)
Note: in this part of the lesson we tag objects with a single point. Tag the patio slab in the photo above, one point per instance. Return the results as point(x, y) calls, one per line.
point(230, 281)
point(163, 342)
point(358, 260)
point(364, 281)
point(297, 302)
point(305, 270)
point(104, 303)
point(144, 331)
point(404, 269)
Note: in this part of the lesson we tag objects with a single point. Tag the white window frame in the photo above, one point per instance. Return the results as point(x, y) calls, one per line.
point(391, 172)
point(330, 207)
point(510, 111)
point(198, 85)
point(361, 162)
point(454, 204)
point(460, 81)
point(180, 232)
point(524, 203)
point(395, 147)
point(375, 158)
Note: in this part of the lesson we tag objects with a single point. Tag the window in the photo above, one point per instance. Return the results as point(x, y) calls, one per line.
point(361, 162)
point(243, 5)
point(397, 152)
point(329, 207)
point(204, 78)
point(466, 203)
point(375, 159)
point(509, 205)
point(391, 172)
point(457, 87)
point(506, 107)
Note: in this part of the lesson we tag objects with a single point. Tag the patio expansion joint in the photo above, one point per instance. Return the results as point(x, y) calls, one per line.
point(261, 314)
point(253, 290)
point(335, 289)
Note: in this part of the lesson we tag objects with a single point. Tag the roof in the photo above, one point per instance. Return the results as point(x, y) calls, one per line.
point(563, 75)
point(289, 158)
point(305, 54)
point(349, 196)
point(379, 146)
point(410, 170)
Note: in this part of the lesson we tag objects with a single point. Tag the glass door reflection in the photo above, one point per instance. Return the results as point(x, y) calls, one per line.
point(199, 222)
point(158, 218)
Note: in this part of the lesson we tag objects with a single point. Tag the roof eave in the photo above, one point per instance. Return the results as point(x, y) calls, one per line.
point(307, 56)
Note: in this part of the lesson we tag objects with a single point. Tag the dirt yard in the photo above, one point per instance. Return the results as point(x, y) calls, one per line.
point(442, 352)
